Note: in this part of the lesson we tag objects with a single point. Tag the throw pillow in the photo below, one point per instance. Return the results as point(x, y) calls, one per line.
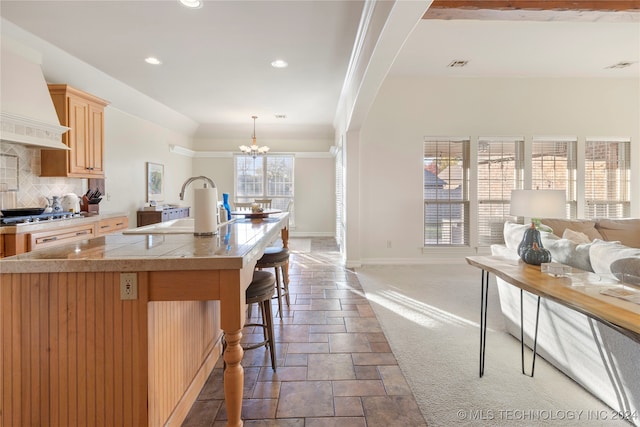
point(513, 234)
point(567, 252)
point(575, 236)
point(627, 231)
point(582, 225)
point(629, 267)
point(603, 254)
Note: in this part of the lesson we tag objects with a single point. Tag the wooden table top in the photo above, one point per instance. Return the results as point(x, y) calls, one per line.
point(580, 291)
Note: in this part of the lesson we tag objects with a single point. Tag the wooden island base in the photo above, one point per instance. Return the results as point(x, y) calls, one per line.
point(74, 353)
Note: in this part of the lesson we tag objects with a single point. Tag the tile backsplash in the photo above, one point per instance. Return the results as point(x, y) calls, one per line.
point(32, 189)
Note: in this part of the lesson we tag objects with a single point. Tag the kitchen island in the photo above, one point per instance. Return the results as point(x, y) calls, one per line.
point(74, 352)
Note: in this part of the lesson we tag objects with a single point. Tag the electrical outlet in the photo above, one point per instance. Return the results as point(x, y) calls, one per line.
point(128, 286)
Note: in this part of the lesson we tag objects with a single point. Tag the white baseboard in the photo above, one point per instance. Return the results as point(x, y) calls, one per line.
point(311, 234)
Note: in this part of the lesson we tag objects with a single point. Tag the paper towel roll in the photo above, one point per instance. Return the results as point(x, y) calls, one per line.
point(204, 204)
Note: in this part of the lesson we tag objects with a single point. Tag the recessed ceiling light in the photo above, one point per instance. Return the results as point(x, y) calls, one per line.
point(191, 4)
point(279, 63)
point(152, 60)
point(623, 64)
point(457, 63)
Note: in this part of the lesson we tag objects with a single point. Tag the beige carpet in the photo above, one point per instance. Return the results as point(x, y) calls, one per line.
point(430, 316)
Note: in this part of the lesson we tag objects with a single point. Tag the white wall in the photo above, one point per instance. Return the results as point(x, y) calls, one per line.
point(131, 142)
point(407, 109)
point(314, 178)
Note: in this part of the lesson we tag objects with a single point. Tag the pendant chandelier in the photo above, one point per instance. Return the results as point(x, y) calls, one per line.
point(254, 150)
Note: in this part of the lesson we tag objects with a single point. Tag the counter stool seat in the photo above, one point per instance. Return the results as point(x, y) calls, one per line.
point(260, 291)
point(277, 258)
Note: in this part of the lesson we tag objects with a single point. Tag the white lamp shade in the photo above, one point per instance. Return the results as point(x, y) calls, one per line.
point(538, 203)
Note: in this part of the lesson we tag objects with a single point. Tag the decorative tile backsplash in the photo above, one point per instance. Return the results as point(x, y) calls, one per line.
point(22, 163)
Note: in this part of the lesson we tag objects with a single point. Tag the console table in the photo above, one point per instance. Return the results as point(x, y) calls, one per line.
point(616, 313)
point(167, 214)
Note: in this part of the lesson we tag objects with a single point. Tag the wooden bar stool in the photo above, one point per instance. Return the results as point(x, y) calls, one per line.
point(277, 258)
point(260, 291)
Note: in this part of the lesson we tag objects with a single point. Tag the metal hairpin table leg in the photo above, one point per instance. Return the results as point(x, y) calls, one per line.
point(535, 336)
point(484, 296)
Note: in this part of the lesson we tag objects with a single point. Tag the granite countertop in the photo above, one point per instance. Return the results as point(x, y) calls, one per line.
point(59, 223)
point(237, 243)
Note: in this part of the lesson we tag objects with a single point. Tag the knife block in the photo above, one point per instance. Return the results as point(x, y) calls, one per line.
point(88, 207)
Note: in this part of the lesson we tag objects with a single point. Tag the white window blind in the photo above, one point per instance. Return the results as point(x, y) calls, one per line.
point(265, 177)
point(607, 178)
point(500, 170)
point(446, 191)
point(554, 167)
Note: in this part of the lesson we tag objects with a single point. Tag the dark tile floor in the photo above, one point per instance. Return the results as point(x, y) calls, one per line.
point(335, 367)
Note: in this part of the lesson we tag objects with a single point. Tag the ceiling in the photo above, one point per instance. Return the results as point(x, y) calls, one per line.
point(216, 60)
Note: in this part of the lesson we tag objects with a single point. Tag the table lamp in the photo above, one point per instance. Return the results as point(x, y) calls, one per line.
point(536, 204)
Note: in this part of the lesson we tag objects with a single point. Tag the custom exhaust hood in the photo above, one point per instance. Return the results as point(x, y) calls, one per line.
point(27, 113)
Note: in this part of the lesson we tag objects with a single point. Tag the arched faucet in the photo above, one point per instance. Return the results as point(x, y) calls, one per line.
point(193, 178)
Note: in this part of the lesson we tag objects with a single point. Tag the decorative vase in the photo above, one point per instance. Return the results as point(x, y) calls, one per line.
point(536, 255)
point(531, 236)
point(225, 203)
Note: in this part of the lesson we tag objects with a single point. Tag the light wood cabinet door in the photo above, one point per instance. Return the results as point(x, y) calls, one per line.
point(78, 135)
point(95, 146)
point(83, 113)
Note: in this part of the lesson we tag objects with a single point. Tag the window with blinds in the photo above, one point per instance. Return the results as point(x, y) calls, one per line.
point(500, 170)
point(265, 177)
point(554, 167)
point(446, 191)
point(607, 178)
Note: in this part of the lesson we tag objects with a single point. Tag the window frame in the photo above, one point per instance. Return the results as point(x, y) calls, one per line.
point(278, 201)
point(440, 227)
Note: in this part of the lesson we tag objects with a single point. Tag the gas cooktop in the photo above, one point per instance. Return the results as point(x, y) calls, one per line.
point(28, 219)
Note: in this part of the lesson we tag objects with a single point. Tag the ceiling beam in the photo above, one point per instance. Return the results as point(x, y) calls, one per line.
point(596, 5)
point(596, 10)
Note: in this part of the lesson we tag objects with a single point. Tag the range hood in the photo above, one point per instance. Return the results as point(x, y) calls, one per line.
point(27, 113)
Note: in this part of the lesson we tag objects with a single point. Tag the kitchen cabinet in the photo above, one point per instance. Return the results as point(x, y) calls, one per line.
point(45, 239)
point(84, 114)
point(168, 214)
point(24, 238)
point(111, 225)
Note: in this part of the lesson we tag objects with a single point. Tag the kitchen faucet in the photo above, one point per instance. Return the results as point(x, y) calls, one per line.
point(193, 178)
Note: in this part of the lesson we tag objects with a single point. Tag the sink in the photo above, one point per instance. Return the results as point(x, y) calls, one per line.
point(176, 226)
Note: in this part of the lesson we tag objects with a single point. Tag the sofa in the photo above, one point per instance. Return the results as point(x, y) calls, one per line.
point(603, 360)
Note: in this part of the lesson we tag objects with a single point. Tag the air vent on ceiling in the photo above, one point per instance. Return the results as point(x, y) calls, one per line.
point(457, 63)
point(281, 116)
point(622, 64)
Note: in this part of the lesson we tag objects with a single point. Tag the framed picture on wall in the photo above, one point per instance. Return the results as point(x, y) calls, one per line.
point(155, 182)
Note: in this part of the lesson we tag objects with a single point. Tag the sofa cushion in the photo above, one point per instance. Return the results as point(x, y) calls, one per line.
point(603, 254)
point(575, 236)
point(585, 226)
point(513, 234)
point(627, 231)
point(629, 267)
point(563, 251)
